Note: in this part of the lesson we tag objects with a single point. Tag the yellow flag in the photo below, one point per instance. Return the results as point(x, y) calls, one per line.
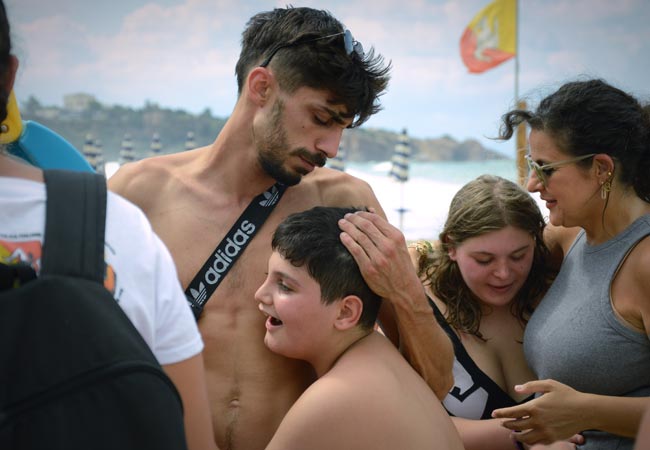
point(490, 38)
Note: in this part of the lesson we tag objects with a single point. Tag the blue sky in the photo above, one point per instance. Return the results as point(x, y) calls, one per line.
point(181, 54)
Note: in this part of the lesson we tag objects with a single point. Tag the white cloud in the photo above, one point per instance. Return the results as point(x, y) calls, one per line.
point(587, 11)
point(182, 54)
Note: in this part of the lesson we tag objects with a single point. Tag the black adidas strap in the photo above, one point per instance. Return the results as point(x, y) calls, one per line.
point(231, 247)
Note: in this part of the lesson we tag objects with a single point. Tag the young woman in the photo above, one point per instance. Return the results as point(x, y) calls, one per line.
point(484, 278)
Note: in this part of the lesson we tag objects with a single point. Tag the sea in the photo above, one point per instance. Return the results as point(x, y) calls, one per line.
point(418, 207)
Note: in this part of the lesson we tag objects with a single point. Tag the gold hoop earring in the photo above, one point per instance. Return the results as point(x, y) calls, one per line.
point(606, 187)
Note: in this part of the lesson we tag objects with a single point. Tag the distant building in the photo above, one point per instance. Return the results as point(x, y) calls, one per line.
point(78, 102)
point(153, 118)
point(49, 112)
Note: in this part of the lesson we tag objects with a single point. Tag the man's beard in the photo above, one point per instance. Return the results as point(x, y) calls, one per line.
point(273, 152)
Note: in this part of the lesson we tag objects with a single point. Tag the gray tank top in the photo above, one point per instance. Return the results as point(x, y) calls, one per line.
point(575, 337)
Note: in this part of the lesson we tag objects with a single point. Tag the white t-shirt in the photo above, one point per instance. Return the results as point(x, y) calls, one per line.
point(140, 272)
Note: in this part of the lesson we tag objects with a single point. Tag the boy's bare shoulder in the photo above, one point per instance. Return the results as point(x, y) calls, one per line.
point(329, 414)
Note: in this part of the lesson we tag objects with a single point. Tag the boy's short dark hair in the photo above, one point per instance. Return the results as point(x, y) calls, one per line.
point(306, 61)
point(311, 238)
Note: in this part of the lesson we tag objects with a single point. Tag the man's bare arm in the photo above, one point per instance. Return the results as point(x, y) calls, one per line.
point(381, 253)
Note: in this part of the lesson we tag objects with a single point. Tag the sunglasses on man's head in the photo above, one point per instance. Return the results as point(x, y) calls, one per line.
point(544, 172)
point(351, 45)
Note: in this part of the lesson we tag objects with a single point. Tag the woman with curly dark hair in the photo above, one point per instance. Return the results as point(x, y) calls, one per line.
point(588, 339)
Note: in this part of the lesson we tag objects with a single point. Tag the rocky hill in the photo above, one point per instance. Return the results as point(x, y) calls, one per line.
point(368, 144)
point(83, 116)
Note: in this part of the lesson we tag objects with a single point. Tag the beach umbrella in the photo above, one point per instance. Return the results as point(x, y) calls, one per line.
point(189, 141)
point(89, 151)
point(400, 169)
point(156, 147)
point(127, 154)
point(400, 163)
point(100, 157)
point(338, 162)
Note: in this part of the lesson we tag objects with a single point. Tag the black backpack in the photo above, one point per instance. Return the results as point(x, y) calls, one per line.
point(74, 371)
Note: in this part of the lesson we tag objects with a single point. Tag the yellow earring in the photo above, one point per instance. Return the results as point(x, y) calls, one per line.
point(606, 187)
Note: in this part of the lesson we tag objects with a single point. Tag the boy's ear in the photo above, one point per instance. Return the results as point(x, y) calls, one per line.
point(350, 309)
point(260, 83)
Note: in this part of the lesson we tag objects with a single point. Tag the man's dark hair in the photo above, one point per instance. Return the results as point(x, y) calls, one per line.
point(311, 238)
point(353, 81)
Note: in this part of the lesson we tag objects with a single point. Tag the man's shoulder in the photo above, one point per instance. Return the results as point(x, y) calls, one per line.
point(148, 169)
point(337, 188)
point(139, 180)
point(327, 176)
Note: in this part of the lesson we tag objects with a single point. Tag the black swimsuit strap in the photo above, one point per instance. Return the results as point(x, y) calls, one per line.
point(498, 396)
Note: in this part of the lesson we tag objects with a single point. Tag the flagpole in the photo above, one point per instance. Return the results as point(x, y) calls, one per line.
point(520, 140)
point(491, 29)
point(517, 52)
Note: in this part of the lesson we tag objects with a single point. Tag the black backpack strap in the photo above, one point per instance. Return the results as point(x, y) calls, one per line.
point(75, 222)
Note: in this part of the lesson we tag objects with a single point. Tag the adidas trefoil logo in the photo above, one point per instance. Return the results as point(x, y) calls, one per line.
point(270, 197)
point(200, 295)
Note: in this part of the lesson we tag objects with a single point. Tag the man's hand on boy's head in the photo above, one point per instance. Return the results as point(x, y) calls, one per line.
point(383, 258)
point(381, 253)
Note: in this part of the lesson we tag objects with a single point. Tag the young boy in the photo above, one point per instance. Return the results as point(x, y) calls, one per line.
point(319, 309)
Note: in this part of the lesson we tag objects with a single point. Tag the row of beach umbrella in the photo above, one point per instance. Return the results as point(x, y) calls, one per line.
point(93, 151)
point(399, 171)
point(399, 164)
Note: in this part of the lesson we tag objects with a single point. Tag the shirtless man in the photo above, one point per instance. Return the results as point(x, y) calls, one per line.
point(302, 80)
point(319, 309)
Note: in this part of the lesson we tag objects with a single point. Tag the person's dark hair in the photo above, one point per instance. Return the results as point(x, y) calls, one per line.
point(488, 203)
point(311, 238)
point(592, 116)
point(5, 61)
point(320, 64)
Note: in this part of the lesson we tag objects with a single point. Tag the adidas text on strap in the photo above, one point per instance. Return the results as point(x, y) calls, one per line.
point(231, 247)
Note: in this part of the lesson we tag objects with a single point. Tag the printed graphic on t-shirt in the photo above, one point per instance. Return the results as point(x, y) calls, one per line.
point(25, 252)
point(29, 252)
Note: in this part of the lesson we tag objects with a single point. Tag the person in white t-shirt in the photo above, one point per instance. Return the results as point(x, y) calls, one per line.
point(140, 272)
